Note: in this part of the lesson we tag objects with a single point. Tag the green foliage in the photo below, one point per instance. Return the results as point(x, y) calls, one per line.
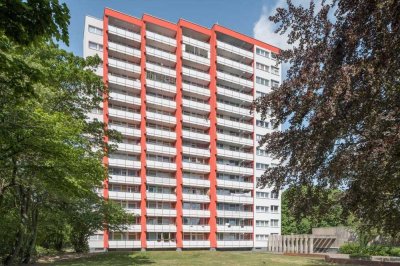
point(358, 250)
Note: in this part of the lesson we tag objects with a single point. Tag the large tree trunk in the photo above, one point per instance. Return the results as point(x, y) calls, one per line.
point(32, 242)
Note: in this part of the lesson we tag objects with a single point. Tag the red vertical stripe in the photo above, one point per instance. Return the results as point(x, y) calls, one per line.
point(213, 142)
point(178, 144)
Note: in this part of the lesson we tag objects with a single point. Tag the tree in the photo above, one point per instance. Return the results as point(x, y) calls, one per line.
point(341, 99)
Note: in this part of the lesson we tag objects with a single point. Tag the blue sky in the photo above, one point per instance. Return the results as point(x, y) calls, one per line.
point(245, 16)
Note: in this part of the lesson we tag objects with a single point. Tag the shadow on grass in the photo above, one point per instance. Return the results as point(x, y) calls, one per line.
point(141, 259)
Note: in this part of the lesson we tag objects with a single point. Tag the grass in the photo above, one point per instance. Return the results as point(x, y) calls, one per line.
point(191, 258)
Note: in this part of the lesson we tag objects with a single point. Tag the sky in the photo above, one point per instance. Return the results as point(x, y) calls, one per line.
point(249, 17)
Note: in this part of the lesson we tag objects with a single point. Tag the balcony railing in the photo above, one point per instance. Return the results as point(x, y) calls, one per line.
point(236, 154)
point(195, 58)
point(195, 42)
point(128, 131)
point(195, 198)
point(125, 98)
point(234, 243)
point(235, 199)
point(196, 167)
point(164, 181)
point(160, 196)
point(196, 243)
point(161, 86)
point(160, 149)
point(122, 179)
point(124, 33)
point(160, 101)
point(196, 136)
point(195, 120)
point(233, 49)
point(161, 69)
point(196, 213)
point(124, 244)
point(124, 65)
point(126, 82)
point(234, 184)
point(235, 94)
point(235, 214)
point(124, 163)
point(160, 165)
point(244, 126)
point(234, 64)
point(161, 228)
point(155, 132)
point(235, 139)
point(161, 38)
point(196, 151)
point(234, 228)
point(196, 182)
point(196, 105)
point(127, 147)
point(161, 244)
point(161, 212)
point(124, 114)
point(234, 109)
point(196, 228)
point(234, 169)
point(195, 74)
point(124, 195)
point(161, 54)
point(161, 117)
point(234, 79)
point(124, 49)
point(196, 89)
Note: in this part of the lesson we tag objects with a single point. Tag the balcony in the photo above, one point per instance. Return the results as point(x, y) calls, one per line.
point(235, 214)
point(160, 196)
point(196, 228)
point(196, 89)
point(234, 79)
point(159, 149)
point(235, 139)
point(161, 38)
point(234, 229)
point(167, 87)
point(203, 107)
point(124, 98)
point(124, 195)
point(195, 58)
point(195, 198)
point(161, 54)
point(161, 228)
point(168, 119)
point(127, 131)
point(243, 111)
point(164, 181)
point(133, 211)
point(160, 69)
point(196, 121)
point(196, 167)
point(235, 94)
point(124, 244)
point(124, 82)
point(194, 42)
point(196, 151)
point(162, 134)
point(134, 228)
point(96, 243)
point(196, 213)
point(124, 163)
point(196, 74)
point(234, 64)
point(249, 156)
point(124, 33)
point(234, 243)
point(233, 49)
point(196, 244)
point(124, 65)
point(241, 170)
point(153, 100)
point(196, 182)
point(161, 165)
point(127, 115)
point(161, 212)
point(241, 198)
point(126, 50)
point(195, 136)
point(122, 179)
point(161, 244)
point(235, 125)
point(234, 184)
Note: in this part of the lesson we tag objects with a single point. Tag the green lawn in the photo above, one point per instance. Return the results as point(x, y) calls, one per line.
point(202, 258)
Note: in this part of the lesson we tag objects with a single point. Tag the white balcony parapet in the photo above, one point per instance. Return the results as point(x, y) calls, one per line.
point(196, 105)
point(235, 94)
point(195, 89)
point(124, 114)
point(96, 243)
point(160, 196)
point(159, 149)
point(122, 179)
point(235, 139)
point(124, 163)
point(234, 184)
point(234, 109)
point(196, 182)
point(134, 228)
point(195, 42)
point(235, 199)
point(161, 117)
point(161, 69)
point(124, 195)
point(161, 181)
point(230, 48)
point(196, 244)
point(161, 54)
point(196, 213)
point(155, 132)
point(195, 120)
point(161, 38)
point(124, 33)
point(196, 151)
point(235, 79)
point(161, 212)
point(195, 58)
point(161, 85)
point(124, 65)
point(234, 214)
point(235, 228)
point(133, 211)
point(161, 165)
point(196, 135)
point(195, 198)
point(234, 124)
point(234, 169)
point(161, 244)
point(195, 73)
point(227, 62)
point(161, 228)
point(196, 228)
point(128, 131)
point(125, 98)
point(196, 167)
point(234, 243)
point(127, 147)
point(236, 154)
point(124, 49)
point(124, 244)
point(160, 101)
point(126, 82)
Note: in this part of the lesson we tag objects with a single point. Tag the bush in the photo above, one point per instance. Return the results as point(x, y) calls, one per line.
point(356, 250)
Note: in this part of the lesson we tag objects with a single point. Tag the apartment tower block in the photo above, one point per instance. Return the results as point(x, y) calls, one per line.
point(180, 94)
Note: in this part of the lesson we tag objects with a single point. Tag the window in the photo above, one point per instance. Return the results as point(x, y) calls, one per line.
point(95, 46)
point(261, 208)
point(261, 152)
point(262, 67)
point(274, 223)
point(273, 56)
point(274, 208)
point(260, 94)
point(196, 51)
point(262, 223)
point(262, 81)
point(160, 77)
point(261, 123)
point(95, 30)
point(262, 52)
point(261, 166)
point(261, 237)
point(262, 195)
point(274, 195)
point(274, 83)
point(275, 70)
point(259, 137)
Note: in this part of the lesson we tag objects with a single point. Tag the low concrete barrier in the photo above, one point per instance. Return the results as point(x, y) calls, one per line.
point(375, 260)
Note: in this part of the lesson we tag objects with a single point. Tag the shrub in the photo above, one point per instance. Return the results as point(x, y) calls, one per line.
point(356, 250)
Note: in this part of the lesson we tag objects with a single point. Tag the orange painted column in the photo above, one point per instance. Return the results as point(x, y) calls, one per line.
point(105, 116)
point(213, 141)
point(143, 138)
point(178, 143)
